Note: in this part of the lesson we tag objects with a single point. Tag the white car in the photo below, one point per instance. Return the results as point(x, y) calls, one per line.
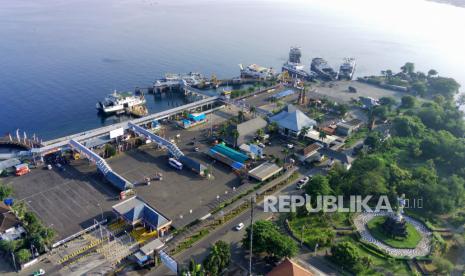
point(261, 145)
point(239, 226)
point(302, 182)
point(290, 146)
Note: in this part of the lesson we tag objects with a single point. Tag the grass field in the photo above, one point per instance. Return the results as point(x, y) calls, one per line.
point(411, 241)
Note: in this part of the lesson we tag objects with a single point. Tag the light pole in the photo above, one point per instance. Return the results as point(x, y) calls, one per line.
point(302, 235)
point(252, 205)
point(101, 210)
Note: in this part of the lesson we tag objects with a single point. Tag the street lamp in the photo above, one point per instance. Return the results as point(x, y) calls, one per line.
point(101, 210)
point(252, 205)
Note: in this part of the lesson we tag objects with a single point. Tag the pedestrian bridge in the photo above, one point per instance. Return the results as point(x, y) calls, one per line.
point(172, 148)
point(115, 179)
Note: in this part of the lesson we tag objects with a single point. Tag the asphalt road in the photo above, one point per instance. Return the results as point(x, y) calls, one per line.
point(228, 234)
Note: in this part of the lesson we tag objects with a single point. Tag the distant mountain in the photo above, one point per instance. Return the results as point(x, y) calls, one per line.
point(457, 3)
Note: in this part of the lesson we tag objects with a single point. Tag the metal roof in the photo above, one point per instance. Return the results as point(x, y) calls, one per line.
point(135, 209)
point(265, 171)
point(295, 120)
point(9, 163)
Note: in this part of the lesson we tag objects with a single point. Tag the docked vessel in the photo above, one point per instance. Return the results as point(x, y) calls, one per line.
point(322, 69)
point(170, 80)
point(118, 102)
point(294, 67)
point(347, 69)
point(255, 71)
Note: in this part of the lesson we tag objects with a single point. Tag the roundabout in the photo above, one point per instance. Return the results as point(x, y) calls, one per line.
point(416, 244)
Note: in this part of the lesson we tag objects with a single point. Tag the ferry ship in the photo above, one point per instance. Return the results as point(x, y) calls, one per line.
point(255, 71)
point(347, 69)
point(321, 67)
point(193, 79)
point(294, 67)
point(117, 102)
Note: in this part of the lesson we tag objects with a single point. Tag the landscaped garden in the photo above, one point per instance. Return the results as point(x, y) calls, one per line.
point(410, 241)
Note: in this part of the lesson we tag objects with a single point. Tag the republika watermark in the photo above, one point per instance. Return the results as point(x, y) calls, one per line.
point(331, 203)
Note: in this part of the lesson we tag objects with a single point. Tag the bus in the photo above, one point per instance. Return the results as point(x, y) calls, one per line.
point(175, 163)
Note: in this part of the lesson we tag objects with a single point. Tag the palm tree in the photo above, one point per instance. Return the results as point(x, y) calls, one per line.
point(272, 127)
point(286, 153)
point(389, 74)
point(194, 269)
point(253, 110)
point(223, 130)
point(322, 135)
point(304, 131)
point(260, 133)
point(241, 116)
point(432, 73)
point(235, 135)
point(218, 259)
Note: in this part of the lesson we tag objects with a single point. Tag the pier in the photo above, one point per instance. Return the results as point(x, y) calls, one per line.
point(205, 105)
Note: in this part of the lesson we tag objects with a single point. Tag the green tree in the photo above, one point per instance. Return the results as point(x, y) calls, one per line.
point(241, 116)
point(260, 133)
point(346, 255)
point(373, 140)
point(8, 246)
point(23, 255)
point(272, 127)
point(322, 135)
point(5, 191)
point(109, 150)
point(223, 130)
point(420, 88)
point(303, 132)
point(443, 266)
point(408, 126)
point(267, 239)
point(218, 259)
point(20, 209)
point(408, 101)
point(318, 186)
point(342, 109)
point(235, 134)
point(408, 68)
point(432, 73)
point(461, 99)
point(194, 269)
point(380, 112)
point(253, 110)
point(389, 74)
point(389, 102)
point(447, 87)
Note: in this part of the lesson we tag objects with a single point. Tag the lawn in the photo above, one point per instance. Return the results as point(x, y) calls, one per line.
point(314, 229)
point(354, 137)
point(411, 241)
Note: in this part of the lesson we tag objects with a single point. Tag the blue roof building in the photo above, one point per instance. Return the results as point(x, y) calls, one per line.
point(135, 210)
point(291, 121)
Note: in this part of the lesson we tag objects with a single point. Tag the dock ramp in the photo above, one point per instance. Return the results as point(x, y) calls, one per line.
point(172, 148)
point(115, 179)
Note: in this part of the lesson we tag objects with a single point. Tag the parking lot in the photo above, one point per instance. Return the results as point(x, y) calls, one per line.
point(65, 200)
point(183, 195)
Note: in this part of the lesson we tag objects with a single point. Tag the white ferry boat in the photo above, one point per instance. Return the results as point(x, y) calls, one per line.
point(117, 102)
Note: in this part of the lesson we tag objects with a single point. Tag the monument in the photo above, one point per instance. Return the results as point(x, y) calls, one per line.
point(395, 226)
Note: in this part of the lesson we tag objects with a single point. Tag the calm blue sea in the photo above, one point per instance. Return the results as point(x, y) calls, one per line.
point(59, 57)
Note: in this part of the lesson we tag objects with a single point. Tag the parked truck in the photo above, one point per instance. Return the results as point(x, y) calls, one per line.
point(22, 169)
